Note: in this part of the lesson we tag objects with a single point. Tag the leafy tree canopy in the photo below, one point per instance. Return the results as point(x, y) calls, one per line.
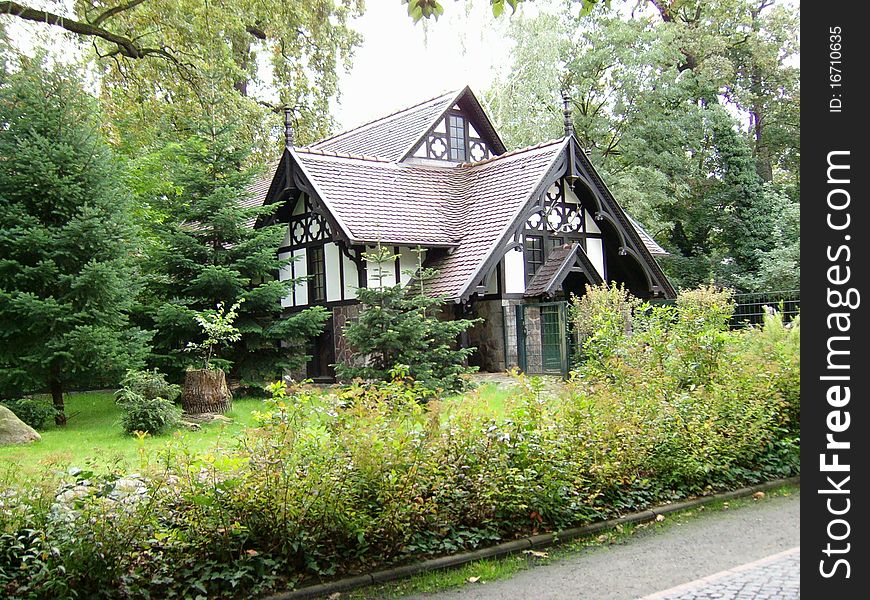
point(689, 110)
point(164, 62)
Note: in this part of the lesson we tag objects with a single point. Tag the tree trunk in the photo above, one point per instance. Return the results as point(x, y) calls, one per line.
point(57, 396)
point(206, 391)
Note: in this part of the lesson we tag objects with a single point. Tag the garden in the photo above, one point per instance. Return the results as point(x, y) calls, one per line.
point(317, 483)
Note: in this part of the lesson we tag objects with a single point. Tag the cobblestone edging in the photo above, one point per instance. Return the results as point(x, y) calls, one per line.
point(537, 541)
point(775, 577)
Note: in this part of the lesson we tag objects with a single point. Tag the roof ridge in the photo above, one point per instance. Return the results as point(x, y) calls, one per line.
point(334, 137)
point(318, 151)
point(512, 153)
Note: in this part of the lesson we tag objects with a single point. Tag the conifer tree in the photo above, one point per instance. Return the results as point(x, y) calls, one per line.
point(208, 251)
point(400, 325)
point(66, 279)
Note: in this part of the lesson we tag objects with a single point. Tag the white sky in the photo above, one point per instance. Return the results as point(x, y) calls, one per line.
point(401, 63)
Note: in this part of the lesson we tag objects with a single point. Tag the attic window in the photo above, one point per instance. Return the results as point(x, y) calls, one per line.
point(456, 133)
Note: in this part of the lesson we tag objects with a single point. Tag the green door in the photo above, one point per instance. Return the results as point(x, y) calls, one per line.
point(552, 336)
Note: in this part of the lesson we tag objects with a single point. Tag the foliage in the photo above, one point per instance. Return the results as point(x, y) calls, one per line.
point(66, 279)
point(689, 110)
point(34, 412)
point(163, 63)
point(146, 401)
point(218, 328)
point(333, 484)
point(602, 320)
point(150, 384)
point(147, 415)
point(205, 251)
point(400, 325)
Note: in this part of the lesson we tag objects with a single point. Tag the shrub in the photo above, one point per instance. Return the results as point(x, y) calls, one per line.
point(36, 413)
point(146, 402)
point(399, 327)
point(149, 415)
point(334, 484)
point(149, 384)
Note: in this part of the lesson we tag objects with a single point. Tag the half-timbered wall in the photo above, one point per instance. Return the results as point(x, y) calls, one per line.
point(454, 139)
point(562, 220)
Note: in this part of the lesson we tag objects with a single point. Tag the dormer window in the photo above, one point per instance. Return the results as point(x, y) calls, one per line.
point(454, 139)
point(456, 131)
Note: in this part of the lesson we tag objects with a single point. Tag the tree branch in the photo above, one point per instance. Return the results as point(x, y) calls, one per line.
point(114, 11)
point(126, 46)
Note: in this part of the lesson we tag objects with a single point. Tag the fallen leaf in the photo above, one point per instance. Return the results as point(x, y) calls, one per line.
point(251, 552)
point(758, 495)
point(660, 518)
point(473, 579)
point(536, 553)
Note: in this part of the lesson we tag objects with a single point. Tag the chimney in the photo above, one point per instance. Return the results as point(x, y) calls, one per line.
point(566, 111)
point(288, 127)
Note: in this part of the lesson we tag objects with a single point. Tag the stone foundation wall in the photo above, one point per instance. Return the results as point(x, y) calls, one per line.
point(341, 317)
point(488, 337)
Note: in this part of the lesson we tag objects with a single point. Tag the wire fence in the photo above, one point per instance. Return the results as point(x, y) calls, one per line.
point(751, 308)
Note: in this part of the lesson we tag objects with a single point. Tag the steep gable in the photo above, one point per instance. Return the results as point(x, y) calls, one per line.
point(399, 135)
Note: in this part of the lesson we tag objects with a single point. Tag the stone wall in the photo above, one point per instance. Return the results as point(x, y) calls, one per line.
point(342, 316)
point(488, 336)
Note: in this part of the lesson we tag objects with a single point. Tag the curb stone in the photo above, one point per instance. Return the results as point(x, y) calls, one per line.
point(538, 541)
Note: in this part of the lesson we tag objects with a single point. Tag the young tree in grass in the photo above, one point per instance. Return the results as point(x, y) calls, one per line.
point(207, 251)
point(399, 325)
point(66, 280)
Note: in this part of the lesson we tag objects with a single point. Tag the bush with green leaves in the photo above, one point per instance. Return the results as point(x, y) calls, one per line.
point(332, 484)
point(146, 401)
point(36, 413)
point(402, 325)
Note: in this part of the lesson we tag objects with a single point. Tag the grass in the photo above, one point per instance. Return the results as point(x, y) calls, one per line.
point(479, 572)
point(93, 437)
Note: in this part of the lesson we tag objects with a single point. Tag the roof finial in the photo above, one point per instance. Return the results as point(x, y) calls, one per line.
point(566, 111)
point(288, 127)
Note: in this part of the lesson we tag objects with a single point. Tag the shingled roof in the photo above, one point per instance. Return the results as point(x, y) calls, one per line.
point(390, 137)
point(409, 204)
point(559, 263)
point(372, 195)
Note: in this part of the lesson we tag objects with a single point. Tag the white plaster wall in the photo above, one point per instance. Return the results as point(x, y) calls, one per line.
point(408, 262)
point(300, 267)
point(300, 205)
point(285, 273)
point(332, 258)
point(388, 268)
point(492, 282)
point(514, 272)
point(595, 251)
point(591, 225)
point(351, 278)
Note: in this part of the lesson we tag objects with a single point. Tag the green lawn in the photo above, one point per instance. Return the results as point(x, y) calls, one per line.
point(93, 437)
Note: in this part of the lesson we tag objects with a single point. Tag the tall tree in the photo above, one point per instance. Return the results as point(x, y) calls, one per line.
point(205, 250)
point(654, 99)
point(163, 62)
point(66, 279)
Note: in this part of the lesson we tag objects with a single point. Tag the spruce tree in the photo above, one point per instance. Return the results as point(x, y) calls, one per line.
point(66, 279)
point(400, 325)
point(208, 251)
